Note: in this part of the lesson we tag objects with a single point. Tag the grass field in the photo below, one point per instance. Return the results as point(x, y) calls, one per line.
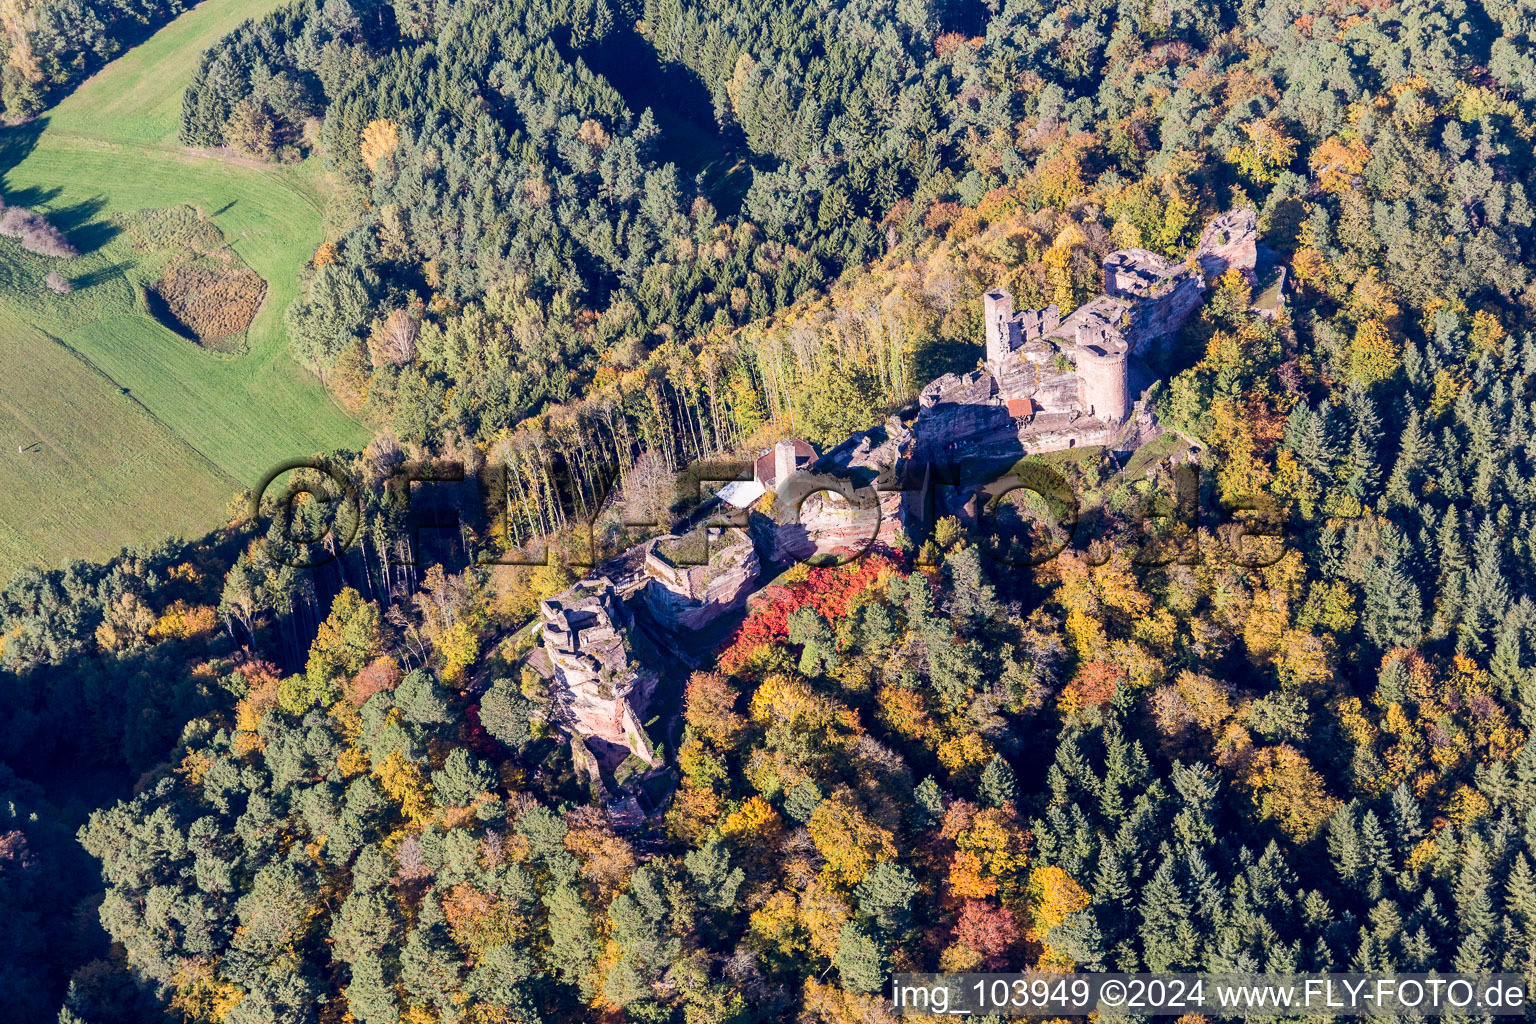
point(74, 486)
point(135, 391)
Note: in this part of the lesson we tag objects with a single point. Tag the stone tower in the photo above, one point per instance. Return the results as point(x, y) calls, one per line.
point(783, 461)
point(1101, 371)
point(998, 312)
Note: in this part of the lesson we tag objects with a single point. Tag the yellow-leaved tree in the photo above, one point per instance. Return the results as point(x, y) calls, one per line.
point(1373, 355)
point(1069, 284)
point(380, 139)
point(1268, 151)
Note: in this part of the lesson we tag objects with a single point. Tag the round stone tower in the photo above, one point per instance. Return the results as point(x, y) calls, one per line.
point(1101, 371)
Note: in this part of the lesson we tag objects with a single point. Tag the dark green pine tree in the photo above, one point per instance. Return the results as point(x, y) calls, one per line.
point(1520, 892)
point(1198, 787)
point(1407, 820)
point(431, 965)
point(1376, 855)
point(859, 959)
point(715, 882)
point(800, 802)
point(927, 803)
point(1507, 666)
point(1112, 887)
point(1394, 610)
point(998, 787)
point(1414, 453)
point(1364, 476)
point(884, 898)
point(1473, 955)
point(1474, 898)
point(1306, 435)
point(1418, 950)
point(1126, 775)
point(817, 648)
point(572, 949)
point(371, 996)
point(1451, 559)
point(1487, 590)
point(1169, 936)
point(972, 601)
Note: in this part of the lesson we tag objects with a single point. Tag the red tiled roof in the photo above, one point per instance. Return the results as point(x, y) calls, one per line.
point(1019, 408)
point(764, 468)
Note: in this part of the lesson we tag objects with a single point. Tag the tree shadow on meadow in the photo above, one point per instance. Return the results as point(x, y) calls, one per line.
point(16, 144)
point(82, 222)
point(105, 273)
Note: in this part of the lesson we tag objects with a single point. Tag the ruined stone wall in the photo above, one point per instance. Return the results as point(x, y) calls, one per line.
point(1229, 242)
point(1061, 430)
point(997, 309)
point(1136, 273)
point(687, 597)
point(1057, 391)
point(1161, 314)
point(954, 408)
point(586, 635)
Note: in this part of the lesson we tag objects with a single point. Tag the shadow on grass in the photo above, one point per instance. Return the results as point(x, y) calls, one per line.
point(81, 221)
point(84, 224)
point(100, 275)
point(16, 144)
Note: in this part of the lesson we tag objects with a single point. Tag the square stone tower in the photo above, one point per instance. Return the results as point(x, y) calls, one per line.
point(783, 461)
point(997, 307)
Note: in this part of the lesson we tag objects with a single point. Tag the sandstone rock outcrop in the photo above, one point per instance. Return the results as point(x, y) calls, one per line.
point(598, 680)
point(1229, 242)
point(694, 580)
point(857, 497)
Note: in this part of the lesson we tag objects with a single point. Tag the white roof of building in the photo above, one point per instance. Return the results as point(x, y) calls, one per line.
point(741, 493)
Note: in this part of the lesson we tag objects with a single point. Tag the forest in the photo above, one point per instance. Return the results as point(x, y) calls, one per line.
point(50, 46)
point(338, 794)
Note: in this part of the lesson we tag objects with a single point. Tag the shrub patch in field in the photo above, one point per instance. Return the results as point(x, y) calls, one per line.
point(35, 233)
point(171, 228)
point(210, 298)
point(204, 292)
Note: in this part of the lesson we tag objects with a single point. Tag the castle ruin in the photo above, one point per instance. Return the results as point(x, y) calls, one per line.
point(1048, 382)
point(587, 635)
point(1052, 382)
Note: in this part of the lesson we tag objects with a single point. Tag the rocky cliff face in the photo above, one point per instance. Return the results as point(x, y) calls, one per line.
point(688, 589)
point(858, 496)
point(1161, 314)
point(830, 525)
point(954, 407)
point(598, 680)
point(1229, 242)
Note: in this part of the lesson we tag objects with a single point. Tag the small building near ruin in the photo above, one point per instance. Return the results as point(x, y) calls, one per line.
point(775, 465)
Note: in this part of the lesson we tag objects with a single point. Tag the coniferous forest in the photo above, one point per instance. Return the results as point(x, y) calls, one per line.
point(589, 244)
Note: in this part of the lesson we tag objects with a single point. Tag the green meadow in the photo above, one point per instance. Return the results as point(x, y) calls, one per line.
point(137, 432)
